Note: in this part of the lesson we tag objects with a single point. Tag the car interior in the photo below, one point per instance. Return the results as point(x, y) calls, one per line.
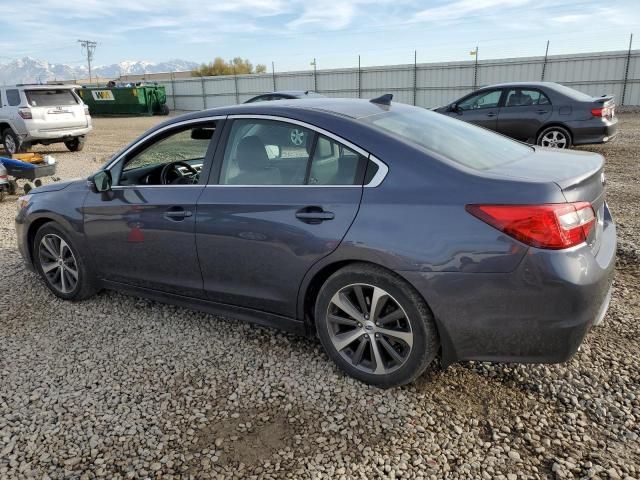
point(173, 160)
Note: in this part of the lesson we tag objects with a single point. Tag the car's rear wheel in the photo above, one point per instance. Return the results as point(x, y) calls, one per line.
point(554, 137)
point(375, 326)
point(11, 142)
point(60, 264)
point(75, 144)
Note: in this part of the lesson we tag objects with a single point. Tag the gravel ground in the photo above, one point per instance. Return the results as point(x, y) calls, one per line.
point(120, 387)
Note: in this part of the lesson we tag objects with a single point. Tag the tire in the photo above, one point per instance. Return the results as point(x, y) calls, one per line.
point(64, 287)
point(367, 357)
point(76, 144)
point(11, 142)
point(554, 137)
point(13, 187)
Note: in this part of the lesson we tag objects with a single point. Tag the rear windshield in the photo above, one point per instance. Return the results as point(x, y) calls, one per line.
point(51, 98)
point(458, 141)
point(572, 93)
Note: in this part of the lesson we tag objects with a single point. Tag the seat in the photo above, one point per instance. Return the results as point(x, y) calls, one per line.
point(253, 163)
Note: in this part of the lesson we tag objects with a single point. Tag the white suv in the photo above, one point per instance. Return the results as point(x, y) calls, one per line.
point(31, 114)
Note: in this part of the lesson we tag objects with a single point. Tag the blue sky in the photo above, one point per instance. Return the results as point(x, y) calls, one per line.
point(291, 33)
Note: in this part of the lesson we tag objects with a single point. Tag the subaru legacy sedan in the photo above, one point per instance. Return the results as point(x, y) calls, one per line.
point(392, 233)
point(542, 113)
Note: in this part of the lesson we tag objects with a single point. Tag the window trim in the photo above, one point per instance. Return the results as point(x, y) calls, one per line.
point(377, 179)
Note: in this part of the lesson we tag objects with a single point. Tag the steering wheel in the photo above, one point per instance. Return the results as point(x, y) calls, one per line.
point(171, 167)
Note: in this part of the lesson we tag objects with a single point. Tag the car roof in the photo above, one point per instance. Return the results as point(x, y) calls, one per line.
point(345, 107)
point(522, 84)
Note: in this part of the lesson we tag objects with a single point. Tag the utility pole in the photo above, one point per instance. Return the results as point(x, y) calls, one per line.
point(544, 64)
point(315, 76)
point(475, 68)
point(88, 46)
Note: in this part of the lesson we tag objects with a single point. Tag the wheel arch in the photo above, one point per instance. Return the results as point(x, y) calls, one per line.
point(37, 223)
point(319, 274)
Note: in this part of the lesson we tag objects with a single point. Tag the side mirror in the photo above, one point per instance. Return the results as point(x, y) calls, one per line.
point(101, 181)
point(454, 108)
point(202, 133)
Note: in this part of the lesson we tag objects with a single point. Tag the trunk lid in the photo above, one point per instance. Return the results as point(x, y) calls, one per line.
point(580, 176)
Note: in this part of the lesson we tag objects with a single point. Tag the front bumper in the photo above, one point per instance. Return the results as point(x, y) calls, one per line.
point(538, 313)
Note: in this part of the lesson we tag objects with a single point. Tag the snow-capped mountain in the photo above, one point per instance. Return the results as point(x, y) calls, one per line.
point(30, 70)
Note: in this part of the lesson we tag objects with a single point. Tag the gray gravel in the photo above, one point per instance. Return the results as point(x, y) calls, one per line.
point(119, 387)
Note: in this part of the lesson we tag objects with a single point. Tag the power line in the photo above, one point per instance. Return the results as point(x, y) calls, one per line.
point(88, 46)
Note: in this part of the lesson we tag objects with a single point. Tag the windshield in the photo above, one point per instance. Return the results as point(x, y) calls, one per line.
point(51, 98)
point(458, 141)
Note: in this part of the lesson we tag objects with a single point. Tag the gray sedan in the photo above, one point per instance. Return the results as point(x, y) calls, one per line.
point(394, 234)
point(541, 113)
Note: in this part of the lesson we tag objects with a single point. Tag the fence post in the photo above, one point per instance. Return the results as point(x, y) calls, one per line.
point(415, 76)
point(315, 76)
point(204, 94)
point(359, 79)
point(475, 71)
point(626, 70)
point(235, 84)
point(544, 64)
point(173, 89)
point(273, 74)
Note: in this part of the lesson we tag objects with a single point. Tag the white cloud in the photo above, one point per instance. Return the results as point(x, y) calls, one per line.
point(462, 9)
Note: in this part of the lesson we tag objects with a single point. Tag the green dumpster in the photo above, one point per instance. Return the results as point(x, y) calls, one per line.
point(139, 100)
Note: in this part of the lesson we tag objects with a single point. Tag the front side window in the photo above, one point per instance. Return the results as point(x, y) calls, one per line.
point(13, 97)
point(51, 98)
point(268, 152)
point(481, 100)
point(517, 97)
point(174, 158)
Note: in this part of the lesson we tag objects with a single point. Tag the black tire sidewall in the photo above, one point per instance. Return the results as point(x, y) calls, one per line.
point(563, 130)
point(84, 286)
point(425, 341)
point(74, 145)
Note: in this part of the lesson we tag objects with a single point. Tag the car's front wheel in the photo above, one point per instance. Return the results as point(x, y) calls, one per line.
point(554, 137)
point(375, 326)
point(60, 264)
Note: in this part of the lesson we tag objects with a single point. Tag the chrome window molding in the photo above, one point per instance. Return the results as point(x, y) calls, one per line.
point(380, 175)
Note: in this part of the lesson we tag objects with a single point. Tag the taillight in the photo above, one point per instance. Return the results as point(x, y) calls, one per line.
point(25, 113)
point(602, 111)
point(86, 110)
point(553, 225)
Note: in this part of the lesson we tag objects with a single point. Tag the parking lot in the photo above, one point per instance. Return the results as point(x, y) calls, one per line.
point(119, 387)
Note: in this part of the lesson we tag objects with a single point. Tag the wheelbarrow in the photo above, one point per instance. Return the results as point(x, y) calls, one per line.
point(29, 167)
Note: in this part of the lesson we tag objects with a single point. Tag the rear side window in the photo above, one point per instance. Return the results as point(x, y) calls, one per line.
point(461, 142)
point(51, 98)
point(13, 97)
point(335, 164)
point(518, 97)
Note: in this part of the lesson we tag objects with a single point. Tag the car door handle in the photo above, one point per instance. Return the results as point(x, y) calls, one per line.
point(314, 215)
point(542, 111)
point(177, 214)
point(491, 114)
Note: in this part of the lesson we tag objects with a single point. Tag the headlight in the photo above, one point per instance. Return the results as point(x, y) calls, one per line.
point(23, 202)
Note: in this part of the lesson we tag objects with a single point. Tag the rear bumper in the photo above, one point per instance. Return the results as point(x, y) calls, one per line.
point(56, 135)
point(538, 313)
point(594, 131)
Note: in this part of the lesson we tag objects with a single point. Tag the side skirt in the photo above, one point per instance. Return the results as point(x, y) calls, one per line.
point(241, 313)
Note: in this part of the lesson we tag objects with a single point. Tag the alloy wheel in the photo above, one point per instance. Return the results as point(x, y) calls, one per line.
point(554, 139)
point(58, 263)
point(369, 328)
